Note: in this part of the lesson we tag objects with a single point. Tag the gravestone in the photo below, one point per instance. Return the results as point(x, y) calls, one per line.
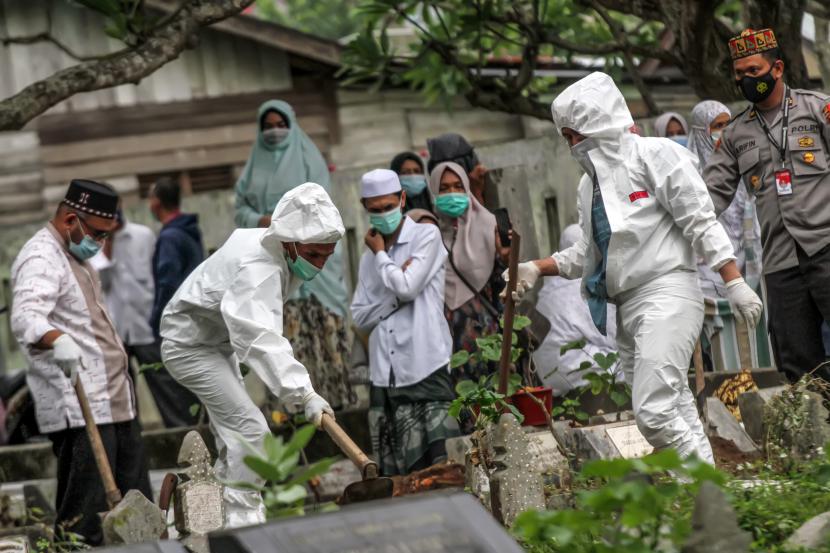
point(514, 484)
point(722, 423)
point(199, 505)
point(163, 546)
point(603, 441)
point(715, 525)
point(436, 522)
point(751, 405)
point(547, 458)
point(813, 534)
point(135, 519)
point(457, 449)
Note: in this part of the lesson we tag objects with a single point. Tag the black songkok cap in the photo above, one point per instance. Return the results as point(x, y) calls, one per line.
point(95, 198)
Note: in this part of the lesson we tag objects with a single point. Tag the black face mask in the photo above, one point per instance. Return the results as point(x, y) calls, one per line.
point(757, 89)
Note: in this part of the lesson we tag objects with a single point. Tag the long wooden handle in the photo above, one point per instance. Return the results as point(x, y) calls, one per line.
point(367, 467)
point(113, 494)
point(509, 305)
point(700, 378)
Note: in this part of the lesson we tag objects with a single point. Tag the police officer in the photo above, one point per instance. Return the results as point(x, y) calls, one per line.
point(780, 147)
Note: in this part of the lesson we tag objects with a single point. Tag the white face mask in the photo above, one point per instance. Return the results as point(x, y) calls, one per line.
point(716, 135)
point(580, 154)
point(275, 136)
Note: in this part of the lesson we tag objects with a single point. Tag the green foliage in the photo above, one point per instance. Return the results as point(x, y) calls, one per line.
point(489, 346)
point(147, 367)
point(626, 506)
point(278, 463)
point(600, 380)
point(486, 404)
point(333, 19)
point(125, 19)
point(780, 502)
point(454, 41)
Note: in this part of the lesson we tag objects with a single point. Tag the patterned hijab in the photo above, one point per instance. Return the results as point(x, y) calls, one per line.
point(700, 139)
point(472, 238)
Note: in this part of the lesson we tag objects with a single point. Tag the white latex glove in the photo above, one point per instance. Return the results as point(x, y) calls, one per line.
point(527, 274)
point(314, 406)
point(745, 303)
point(67, 355)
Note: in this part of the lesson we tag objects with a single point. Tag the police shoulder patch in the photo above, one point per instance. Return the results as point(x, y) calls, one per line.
point(826, 111)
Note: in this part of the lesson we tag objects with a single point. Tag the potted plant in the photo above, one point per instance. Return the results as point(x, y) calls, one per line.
point(522, 399)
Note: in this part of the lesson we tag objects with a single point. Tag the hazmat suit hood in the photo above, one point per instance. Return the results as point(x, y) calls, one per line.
point(306, 215)
point(593, 107)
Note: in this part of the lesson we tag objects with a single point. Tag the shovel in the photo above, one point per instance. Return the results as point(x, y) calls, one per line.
point(98, 451)
point(142, 529)
point(372, 486)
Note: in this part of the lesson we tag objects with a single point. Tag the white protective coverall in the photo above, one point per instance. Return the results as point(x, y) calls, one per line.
point(228, 312)
point(659, 212)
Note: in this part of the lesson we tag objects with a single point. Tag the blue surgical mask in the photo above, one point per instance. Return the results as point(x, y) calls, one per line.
point(413, 184)
point(86, 249)
point(681, 139)
point(301, 267)
point(386, 223)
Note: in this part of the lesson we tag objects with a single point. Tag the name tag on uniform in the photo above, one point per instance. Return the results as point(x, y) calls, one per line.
point(784, 182)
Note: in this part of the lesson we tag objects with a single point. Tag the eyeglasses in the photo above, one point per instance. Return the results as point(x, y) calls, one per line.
point(97, 235)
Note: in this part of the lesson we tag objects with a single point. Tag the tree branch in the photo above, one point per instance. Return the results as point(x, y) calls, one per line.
point(46, 37)
point(130, 65)
point(518, 105)
point(619, 34)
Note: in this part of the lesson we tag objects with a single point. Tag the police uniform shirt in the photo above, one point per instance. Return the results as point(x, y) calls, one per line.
point(745, 151)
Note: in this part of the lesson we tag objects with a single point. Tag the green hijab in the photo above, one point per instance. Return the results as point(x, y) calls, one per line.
point(273, 170)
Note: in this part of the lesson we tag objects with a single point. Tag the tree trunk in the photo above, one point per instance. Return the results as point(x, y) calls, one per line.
point(785, 18)
point(703, 42)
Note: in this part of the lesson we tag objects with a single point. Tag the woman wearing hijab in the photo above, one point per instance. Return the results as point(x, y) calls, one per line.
point(454, 147)
point(709, 118)
point(673, 126)
point(282, 158)
point(410, 169)
point(474, 266)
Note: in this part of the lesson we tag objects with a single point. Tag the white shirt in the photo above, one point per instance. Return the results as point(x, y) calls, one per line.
point(404, 309)
point(127, 280)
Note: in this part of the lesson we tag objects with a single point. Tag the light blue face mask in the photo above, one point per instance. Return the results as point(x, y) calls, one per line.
point(681, 139)
point(301, 267)
point(413, 184)
point(386, 223)
point(86, 249)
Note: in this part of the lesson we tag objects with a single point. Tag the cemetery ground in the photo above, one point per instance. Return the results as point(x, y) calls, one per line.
point(584, 482)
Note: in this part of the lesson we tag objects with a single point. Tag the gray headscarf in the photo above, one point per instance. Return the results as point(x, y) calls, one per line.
point(700, 139)
point(662, 123)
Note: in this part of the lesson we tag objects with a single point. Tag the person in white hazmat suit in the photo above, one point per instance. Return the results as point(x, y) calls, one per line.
point(644, 210)
point(229, 312)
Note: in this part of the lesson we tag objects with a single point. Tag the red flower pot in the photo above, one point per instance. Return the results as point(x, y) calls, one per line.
point(534, 416)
